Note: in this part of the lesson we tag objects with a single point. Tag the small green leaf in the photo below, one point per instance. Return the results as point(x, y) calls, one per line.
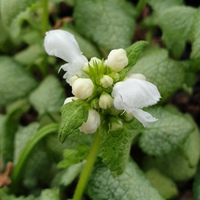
point(12, 9)
point(195, 37)
point(73, 115)
point(165, 186)
point(50, 194)
point(165, 73)
point(112, 24)
point(65, 177)
point(133, 52)
point(176, 24)
point(15, 82)
point(180, 164)
point(115, 147)
point(132, 184)
point(165, 135)
point(73, 156)
point(49, 96)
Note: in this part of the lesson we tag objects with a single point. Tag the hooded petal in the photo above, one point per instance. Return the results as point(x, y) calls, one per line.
point(62, 44)
point(134, 93)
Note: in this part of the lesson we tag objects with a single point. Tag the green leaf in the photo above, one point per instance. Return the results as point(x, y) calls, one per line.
point(196, 185)
point(165, 186)
point(165, 73)
point(15, 82)
point(23, 135)
point(11, 10)
point(165, 135)
point(159, 5)
point(132, 184)
point(73, 115)
point(195, 37)
point(49, 96)
point(73, 156)
point(180, 164)
point(109, 23)
point(52, 194)
point(176, 24)
point(115, 147)
point(65, 177)
point(133, 52)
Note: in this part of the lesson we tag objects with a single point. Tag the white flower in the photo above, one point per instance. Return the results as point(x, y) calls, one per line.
point(70, 99)
point(92, 123)
point(82, 88)
point(117, 59)
point(62, 44)
point(133, 94)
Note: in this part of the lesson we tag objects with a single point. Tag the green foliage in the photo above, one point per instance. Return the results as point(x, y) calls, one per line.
point(181, 163)
point(132, 184)
point(73, 116)
point(15, 81)
point(52, 194)
point(165, 73)
point(196, 185)
point(165, 186)
point(48, 97)
point(112, 22)
point(116, 145)
point(165, 135)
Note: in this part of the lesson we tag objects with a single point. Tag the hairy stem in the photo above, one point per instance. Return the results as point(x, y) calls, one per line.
point(84, 177)
point(140, 6)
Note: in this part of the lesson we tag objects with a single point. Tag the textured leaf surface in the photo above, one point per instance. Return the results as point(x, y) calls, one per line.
point(73, 115)
point(132, 184)
point(49, 96)
point(48, 194)
point(180, 164)
point(15, 82)
point(176, 24)
point(109, 23)
point(12, 9)
point(165, 73)
point(115, 147)
point(23, 135)
point(166, 134)
point(166, 187)
point(195, 37)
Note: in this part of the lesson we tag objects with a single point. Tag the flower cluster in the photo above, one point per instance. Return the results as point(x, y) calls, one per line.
point(99, 83)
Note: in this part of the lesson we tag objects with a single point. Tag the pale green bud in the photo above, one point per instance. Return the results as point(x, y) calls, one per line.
point(117, 59)
point(106, 81)
point(92, 123)
point(91, 63)
point(127, 117)
point(82, 88)
point(70, 99)
point(115, 124)
point(137, 76)
point(105, 101)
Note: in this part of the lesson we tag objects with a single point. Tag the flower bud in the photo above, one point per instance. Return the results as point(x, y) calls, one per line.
point(72, 79)
point(117, 59)
point(92, 62)
point(70, 99)
point(106, 81)
point(137, 76)
point(115, 124)
point(105, 101)
point(92, 123)
point(82, 88)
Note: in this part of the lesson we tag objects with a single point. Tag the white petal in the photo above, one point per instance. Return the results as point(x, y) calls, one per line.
point(143, 117)
point(62, 44)
point(92, 123)
point(135, 93)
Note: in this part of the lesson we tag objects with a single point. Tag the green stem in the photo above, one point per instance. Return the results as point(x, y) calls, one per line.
point(18, 168)
point(83, 180)
point(140, 6)
point(45, 16)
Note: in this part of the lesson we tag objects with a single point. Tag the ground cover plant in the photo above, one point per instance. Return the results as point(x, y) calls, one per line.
point(100, 99)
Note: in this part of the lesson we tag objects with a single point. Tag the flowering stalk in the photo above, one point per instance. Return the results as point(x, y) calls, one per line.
point(83, 180)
